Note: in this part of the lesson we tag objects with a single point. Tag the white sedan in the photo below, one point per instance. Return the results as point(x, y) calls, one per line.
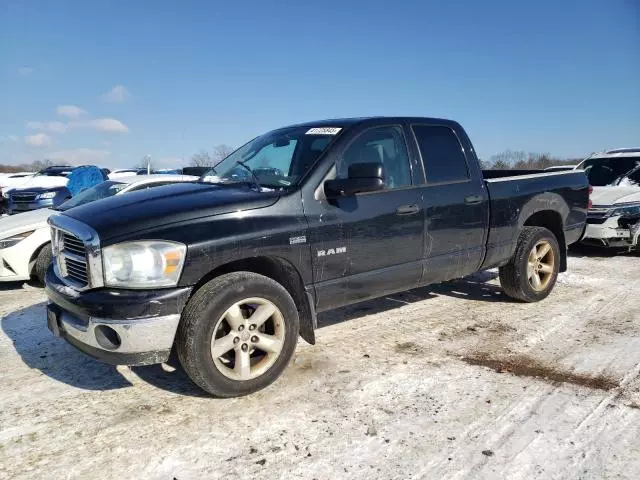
point(25, 240)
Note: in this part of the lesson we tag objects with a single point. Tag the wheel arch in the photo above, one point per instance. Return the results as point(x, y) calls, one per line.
point(551, 220)
point(281, 271)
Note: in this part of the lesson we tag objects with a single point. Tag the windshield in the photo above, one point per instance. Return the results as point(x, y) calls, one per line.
point(608, 171)
point(54, 172)
point(100, 191)
point(277, 159)
point(630, 179)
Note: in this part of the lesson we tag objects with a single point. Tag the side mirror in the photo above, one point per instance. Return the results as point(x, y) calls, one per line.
point(362, 177)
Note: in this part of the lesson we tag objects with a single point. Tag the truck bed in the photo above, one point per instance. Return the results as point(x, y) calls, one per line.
point(515, 195)
point(492, 174)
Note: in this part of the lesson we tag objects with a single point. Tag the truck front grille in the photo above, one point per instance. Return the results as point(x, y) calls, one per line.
point(71, 258)
point(73, 244)
point(77, 271)
point(77, 255)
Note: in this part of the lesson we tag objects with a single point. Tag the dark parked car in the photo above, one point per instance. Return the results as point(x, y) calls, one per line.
point(303, 219)
point(52, 187)
point(196, 171)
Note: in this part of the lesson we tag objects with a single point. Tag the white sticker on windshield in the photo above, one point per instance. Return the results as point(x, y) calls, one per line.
point(324, 131)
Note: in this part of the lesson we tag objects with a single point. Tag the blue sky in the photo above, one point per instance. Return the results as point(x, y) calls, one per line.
point(169, 78)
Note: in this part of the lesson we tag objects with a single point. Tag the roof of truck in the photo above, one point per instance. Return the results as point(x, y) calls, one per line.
point(343, 122)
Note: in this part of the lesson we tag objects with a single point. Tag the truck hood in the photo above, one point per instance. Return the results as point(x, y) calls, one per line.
point(137, 211)
point(604, 196)
point(24, 222)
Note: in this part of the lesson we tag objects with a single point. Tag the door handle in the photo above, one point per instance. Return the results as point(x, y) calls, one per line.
point(473, 199)
point(407, 209)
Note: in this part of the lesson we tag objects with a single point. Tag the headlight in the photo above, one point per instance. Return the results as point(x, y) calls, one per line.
point(143, 264)
point(5, 194)
point(633, 209)
point(11, 241)
point(46, 195)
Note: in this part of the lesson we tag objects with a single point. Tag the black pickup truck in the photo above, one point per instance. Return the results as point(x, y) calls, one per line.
point(230, 270)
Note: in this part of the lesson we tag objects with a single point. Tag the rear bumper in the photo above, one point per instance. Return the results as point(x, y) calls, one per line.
point(125, 327)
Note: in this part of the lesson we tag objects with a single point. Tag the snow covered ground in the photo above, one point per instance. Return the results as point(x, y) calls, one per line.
point(453, 381)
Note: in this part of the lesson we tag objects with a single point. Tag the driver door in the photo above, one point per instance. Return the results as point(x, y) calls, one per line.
point(369, 244)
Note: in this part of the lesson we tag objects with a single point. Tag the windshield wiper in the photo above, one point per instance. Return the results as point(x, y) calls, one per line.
point(253, 175)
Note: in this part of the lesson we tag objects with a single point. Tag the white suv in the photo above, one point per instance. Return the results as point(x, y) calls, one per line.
point(614, 218)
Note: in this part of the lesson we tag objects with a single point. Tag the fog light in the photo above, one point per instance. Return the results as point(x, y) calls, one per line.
point(107, 337)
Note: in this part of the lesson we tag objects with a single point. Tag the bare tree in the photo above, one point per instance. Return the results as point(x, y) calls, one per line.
point(201, 159)
point(509, 157)
point(205, 159)
point(545, 161)
point(35, 166)
point(500, 165)
point(221, 152)
point(520, 160)
point(42, 164)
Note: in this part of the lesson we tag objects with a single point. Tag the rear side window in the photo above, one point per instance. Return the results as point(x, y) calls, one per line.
point(442, 154)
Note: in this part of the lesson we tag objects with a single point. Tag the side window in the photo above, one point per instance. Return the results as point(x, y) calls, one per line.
point(381, 144)
point(441, 153)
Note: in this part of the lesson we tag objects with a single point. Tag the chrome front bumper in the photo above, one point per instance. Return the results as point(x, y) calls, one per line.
point(122, 327)
point(142, 341)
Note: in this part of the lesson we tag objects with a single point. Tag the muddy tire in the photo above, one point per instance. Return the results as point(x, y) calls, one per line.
point(237, 334)
point(532, 272)
point(43, 260)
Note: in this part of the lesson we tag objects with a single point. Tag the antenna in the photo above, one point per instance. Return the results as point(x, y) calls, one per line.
point(147, 157)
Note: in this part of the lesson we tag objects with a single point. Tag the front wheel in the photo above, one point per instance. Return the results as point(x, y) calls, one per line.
point(237, 334)
point(532, 272)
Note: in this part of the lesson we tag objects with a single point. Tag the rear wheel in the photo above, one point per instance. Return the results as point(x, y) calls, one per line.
point(43, 260)
point(532, 272)
point(237, 334)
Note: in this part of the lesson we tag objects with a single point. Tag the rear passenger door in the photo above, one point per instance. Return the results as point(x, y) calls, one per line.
point(455, 203)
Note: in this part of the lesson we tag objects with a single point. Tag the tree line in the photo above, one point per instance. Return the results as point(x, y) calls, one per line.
point(29, 167)
point(521, 160)
point(203, 158)
point(506, 160)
